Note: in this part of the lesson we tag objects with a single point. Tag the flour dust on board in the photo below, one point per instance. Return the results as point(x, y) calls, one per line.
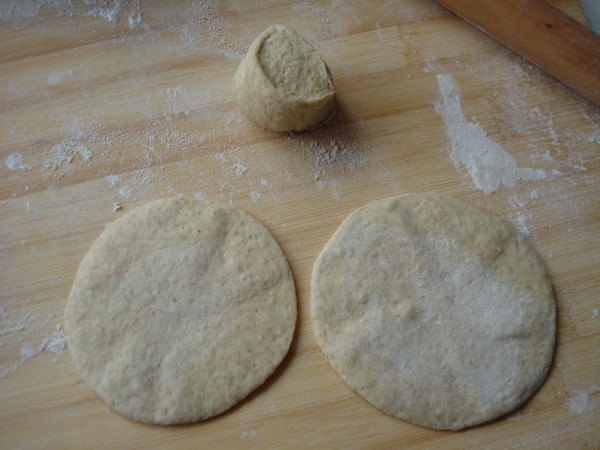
point(488, 162)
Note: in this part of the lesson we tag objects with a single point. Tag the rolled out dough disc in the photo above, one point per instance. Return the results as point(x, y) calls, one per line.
point(434, 311)
point(180, 309)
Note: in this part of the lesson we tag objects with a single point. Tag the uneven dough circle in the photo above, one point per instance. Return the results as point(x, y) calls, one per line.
point(283, 84)
point(434, 311)
point(180, 309)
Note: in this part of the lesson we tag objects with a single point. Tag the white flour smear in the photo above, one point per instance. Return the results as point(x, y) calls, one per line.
point(15, 162)
point(487, 161)
point(28, 9)
point(56, 343)
point(59, 77)
point(521, 215)
point(124, 191)
point(580, 402)
point(201, 27)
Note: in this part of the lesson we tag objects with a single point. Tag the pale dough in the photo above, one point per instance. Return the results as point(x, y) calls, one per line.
point(434, 311)
point(180, 309)
point(283, 84)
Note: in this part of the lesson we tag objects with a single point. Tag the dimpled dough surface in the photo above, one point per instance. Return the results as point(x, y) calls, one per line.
point(180, 309)
point(434, 311)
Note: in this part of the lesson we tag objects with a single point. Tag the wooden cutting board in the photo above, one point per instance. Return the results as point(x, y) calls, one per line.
point(103, 108)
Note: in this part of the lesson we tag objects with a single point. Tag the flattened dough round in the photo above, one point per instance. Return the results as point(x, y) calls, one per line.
point(283, 84)
point(434, 311)
point(180, 309)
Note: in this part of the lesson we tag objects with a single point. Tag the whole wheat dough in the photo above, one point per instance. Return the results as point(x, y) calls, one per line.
point(180, 309)
point(283, 84)
point(434, 311)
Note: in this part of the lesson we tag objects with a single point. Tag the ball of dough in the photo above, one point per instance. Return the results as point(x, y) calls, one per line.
point(434, 311)
point(283, 84)
point(180, 309)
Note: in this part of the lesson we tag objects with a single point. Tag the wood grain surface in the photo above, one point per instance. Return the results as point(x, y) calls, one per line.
point(107, 105)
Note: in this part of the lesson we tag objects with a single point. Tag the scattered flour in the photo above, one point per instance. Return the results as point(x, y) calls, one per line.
point(62, 156)
point(430, 65)
point(595, 312)
point(579, 403)
point(239, 169)
point(248, 435)
point(545, 156)
point(255, 196)
point(56, 343)
point(521, 221)
point(59, 77)
point(135, 19)
point(552, 132)
point(29, 207)
point(126, 192)
point(11, 330)
point(85, 152)
point(15, 162)
point(333, 155)
point(31, 9)
point(200, 196)
point(27, 352)
point(562, 155)
point(10, 324)
point(488, 162)
point(204, 29)
point(114, 180)
point(109, 10)
point(521, 216)
point(61, 153)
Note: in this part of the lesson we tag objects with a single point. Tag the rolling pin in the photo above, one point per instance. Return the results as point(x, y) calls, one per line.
point(544, 35)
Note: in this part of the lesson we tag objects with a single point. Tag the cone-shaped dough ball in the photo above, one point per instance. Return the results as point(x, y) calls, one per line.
point(283, 84)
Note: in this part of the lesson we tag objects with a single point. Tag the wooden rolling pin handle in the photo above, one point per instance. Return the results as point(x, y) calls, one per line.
point(544, 35)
